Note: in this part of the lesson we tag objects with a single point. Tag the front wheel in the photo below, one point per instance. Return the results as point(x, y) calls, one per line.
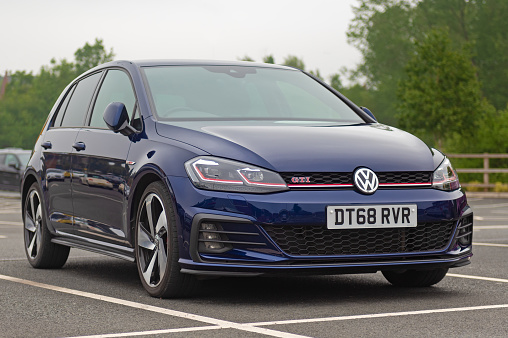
point(157, 245)
point(415, 278)
point(41, 253)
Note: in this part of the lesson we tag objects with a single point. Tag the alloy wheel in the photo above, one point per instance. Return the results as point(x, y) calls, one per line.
point(33, 224)
point(152, 234)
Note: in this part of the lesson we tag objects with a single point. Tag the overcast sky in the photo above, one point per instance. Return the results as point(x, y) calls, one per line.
point(34, 31)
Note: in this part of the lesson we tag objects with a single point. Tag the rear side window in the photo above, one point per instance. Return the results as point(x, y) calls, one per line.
point(116, 87)
point(57, 121)
point(77, 108)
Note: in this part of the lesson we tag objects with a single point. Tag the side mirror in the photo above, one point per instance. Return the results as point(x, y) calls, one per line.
point(13, 165)
point(117, 119)
point(366, 110)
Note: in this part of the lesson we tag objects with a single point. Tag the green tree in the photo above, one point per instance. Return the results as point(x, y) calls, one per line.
point(269, 59)
point(490, 28)
point(440, 95)
point(384, 32)
point(335, 82)
point(28, 98)
point(293, 61)
point(246, 58)
point(317, 74)
point(90, 56)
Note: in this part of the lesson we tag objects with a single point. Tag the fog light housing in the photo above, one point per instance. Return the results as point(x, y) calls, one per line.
point(210, 238)
point(465, 231)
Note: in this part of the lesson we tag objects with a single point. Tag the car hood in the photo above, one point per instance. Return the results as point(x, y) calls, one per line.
point(310, 148)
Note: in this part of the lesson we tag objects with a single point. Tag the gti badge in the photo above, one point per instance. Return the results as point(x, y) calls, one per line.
point(300, 179)
point(366, 180)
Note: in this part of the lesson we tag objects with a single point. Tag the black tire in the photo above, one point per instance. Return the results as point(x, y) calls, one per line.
point(156, 246)
point(415, 278)
point(41, 253)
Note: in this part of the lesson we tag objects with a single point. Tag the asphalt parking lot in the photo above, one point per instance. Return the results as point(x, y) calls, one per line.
point(99, 296)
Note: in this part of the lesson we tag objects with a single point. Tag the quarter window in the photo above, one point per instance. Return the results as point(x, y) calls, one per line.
point(80, 101)
point(57, 122)
point(116, 87)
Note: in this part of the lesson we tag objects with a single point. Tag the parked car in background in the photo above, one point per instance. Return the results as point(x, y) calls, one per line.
point(237, 169)
point(12, 166)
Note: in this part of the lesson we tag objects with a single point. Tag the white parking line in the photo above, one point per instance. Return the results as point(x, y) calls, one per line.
point(2, 236)
point(487, 206)
point(10, 211)
point(220, 324)
point(488, 218)
point(250, 327)
point(491, 244)
point(489, 227)
point(478, 277)
point(10, 223)
point(154, 332)
point(380, 315)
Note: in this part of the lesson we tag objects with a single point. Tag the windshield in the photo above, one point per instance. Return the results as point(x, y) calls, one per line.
point(23, 158)
point(242, 93)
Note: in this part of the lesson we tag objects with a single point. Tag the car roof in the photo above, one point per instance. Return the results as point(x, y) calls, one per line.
point(14, 151)
point(181, 62)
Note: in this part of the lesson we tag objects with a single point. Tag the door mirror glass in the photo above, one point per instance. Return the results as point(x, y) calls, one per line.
point(13, 165)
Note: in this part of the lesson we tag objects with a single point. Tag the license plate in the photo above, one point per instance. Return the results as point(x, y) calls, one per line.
point(371, 216)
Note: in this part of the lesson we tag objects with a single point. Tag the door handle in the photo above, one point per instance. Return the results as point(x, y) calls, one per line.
point(46, 145)
point(79, 146)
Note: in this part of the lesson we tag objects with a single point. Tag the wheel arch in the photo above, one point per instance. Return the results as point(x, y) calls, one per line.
point(144, 178)
point(29, 179)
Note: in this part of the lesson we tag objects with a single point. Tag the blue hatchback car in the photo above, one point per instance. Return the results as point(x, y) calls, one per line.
point(205, 168)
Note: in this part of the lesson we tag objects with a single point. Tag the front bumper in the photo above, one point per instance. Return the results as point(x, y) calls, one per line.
point(246, 221)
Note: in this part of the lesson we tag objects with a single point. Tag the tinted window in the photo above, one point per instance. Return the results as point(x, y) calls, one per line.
point(57, 121)
point(79, 102)
point(241, 92)
point(11, 159)
point(24, 158)
point(116, 87)
point(2, 159)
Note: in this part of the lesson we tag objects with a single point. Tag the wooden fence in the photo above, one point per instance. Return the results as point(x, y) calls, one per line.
point(486, 170)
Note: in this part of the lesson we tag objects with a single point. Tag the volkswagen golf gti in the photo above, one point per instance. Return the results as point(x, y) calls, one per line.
point(194, 169)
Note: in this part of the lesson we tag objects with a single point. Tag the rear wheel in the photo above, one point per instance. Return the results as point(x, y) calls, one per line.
point(41, 253)
point(157, 246)
point(415, 278)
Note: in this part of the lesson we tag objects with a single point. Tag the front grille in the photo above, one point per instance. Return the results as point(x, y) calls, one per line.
point(303, 179)
point(320, 178)
point(301, 240)
point(409, 177)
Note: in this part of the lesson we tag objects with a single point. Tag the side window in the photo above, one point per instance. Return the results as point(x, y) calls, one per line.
point(57, 121)
point(2, 159)
point(11, 159)
point(79, 102)
point(116, 87)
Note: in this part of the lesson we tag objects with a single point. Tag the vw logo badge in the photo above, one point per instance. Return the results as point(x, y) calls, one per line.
point(366, 180)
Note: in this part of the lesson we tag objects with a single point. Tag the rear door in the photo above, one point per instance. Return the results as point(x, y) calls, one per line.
point(58, 145)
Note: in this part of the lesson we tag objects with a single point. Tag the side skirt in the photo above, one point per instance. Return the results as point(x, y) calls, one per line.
point(96, 246)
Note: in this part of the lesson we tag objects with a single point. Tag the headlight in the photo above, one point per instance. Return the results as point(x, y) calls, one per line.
point(213, 173)
point(445, 177)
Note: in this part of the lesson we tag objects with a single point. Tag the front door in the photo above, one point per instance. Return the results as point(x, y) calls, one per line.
point(99, 169)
